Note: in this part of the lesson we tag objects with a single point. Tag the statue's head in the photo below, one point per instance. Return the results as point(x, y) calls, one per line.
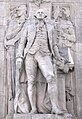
point(21, 10)
point(13, 12)
point(64, 12)
point(40, 14)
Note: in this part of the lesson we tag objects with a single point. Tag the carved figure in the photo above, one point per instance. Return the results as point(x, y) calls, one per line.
point(66, 36)
point(66, 41)
point(13, 32)
point(38, 49)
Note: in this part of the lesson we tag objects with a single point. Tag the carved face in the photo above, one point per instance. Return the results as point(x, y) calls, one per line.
point(13, 12)
point(21, 10)
point(64, 13)
point(40, 15)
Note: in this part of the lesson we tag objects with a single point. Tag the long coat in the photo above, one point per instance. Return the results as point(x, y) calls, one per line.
point(28, 35)
point(26, 41)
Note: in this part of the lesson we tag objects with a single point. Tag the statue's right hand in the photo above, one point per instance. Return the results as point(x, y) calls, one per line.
point(19, 62)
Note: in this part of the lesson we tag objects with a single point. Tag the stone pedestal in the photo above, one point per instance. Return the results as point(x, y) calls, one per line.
point(39, 116)
point(61, 91)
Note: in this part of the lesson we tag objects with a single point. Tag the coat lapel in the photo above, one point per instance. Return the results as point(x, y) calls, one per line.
point(31, 35)
point(49, 29)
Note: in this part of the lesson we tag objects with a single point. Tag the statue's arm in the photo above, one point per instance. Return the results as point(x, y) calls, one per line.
point(55, 45)
point(22, 42)
point(57, 54)
point(69, 35)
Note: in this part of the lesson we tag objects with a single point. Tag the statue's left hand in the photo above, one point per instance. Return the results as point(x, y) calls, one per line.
point(19, 62)
point(61, 59)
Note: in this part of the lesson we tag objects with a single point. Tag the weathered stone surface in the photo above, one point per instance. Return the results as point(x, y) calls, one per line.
point(61, 91)
point(75, 89)
point(65, 32)
point(23, 116)
point(46, 7)
point(37, 116)
point(48, 116)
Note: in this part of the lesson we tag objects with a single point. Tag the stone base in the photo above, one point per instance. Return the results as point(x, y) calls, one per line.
point(39, 116)
point(10, 116)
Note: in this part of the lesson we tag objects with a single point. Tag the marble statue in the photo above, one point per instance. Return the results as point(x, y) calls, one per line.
point(40, 62)
point(13, 31)
point(38, 49)
point(66, 41)
point(66, 36)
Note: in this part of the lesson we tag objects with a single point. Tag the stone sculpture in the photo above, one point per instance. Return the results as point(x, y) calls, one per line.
point(13, 31)
point(40, 51)
point(66, 41)
point(66, 36)
point(36, 48)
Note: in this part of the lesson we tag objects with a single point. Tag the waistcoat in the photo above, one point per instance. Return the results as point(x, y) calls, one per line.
point(40, 42)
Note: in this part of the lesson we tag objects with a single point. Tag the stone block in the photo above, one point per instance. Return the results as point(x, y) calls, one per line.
point(58, 1)
point(43, 116)
point(22, 116)
point(2, 47)
point(9, 116)
point(4, 0)
point(77, 1)
point(2, 32)
point(20, 0)
point(78, 27)
point(2, 107)
point(61, 91)
point(78, 10)
point(79, 107)
point(3, 9)
point(79, 47)
point(47, 116)
point(37, 116)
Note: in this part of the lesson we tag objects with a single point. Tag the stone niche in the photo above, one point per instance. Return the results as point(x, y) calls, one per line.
point(34, 6)
point(18, 103)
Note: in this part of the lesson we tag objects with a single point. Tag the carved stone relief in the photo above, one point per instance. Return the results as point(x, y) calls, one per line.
point(13, 32)
point(40, 60)
point(66, 41)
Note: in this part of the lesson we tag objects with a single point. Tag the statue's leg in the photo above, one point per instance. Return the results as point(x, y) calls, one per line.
point(31, 71)
point(46, 68)
point(10, 78)
point(17, 88)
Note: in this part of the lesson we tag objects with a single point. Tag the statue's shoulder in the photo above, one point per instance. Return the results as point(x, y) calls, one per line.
point(50, 22)
point(30, 21)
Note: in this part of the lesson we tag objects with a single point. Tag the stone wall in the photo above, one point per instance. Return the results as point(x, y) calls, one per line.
point(3, 13)
point(76, 11)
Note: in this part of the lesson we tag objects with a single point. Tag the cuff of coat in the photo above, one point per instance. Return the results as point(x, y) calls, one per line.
point(19, 57)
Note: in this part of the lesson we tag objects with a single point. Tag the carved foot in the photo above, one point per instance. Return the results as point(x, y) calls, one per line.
point(68, 116)
point(56, 110)
point(33, 112)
